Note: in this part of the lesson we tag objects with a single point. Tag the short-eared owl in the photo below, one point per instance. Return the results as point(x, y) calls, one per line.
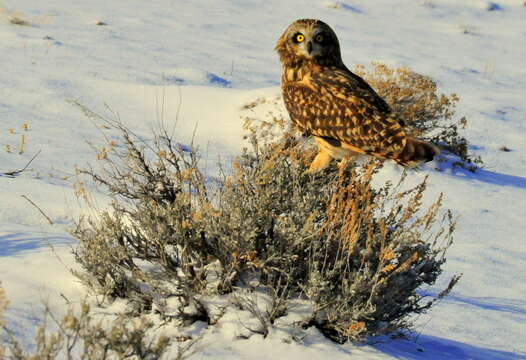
point(337, 107)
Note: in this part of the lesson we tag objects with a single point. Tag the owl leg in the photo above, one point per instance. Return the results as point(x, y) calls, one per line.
point(320, 162)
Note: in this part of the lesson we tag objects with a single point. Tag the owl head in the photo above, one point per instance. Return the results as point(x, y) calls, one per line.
point(309, 40)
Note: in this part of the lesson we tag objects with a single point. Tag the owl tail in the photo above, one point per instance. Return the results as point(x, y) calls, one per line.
point(415, 152)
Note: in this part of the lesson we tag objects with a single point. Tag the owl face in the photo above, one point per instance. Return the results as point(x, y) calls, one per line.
point(308, 39)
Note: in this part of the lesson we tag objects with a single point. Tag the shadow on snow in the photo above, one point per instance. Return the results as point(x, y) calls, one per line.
point(431, 347)
point(482, 175)
point(16, 243)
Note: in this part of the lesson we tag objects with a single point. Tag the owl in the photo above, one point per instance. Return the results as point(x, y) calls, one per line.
point(339, 109)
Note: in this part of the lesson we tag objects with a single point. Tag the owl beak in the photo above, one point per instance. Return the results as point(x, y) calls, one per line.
point(309, 47)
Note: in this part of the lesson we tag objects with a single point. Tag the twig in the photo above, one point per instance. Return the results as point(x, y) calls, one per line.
point(65, 298)
point(16, 172)
point(39, 209)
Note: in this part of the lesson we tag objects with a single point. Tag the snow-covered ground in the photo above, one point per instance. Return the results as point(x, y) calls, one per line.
point(199, 62)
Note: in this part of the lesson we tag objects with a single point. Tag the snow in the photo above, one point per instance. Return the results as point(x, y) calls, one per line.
point(196, 64)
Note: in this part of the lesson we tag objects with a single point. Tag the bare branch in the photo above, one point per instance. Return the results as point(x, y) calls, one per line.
point(38, 208)
point(18, 172)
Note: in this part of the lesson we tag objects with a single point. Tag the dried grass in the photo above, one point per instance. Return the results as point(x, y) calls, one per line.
point(13, 17)
point(18, 19)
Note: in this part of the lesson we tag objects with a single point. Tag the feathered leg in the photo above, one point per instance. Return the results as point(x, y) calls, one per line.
point(320, 162)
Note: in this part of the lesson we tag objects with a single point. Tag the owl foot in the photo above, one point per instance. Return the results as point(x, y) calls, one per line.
point(320, 162)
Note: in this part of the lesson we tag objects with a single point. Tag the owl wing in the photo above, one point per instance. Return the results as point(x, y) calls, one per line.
point(355, 85)
point(338, 105)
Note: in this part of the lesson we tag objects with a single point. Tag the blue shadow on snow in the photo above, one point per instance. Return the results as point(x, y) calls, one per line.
point(482, 175)
point(491, 177)
point(511, 306)
point(16, 243)
point(435, 348)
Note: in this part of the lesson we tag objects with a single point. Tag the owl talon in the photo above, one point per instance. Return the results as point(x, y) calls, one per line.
point(320, 162)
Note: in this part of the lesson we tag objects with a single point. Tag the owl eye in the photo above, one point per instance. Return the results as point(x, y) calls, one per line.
point(299, 38)
point(319, 38)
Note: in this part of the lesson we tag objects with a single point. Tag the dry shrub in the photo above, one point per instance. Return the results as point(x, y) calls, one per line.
point(17, 19)
point(3, 306)
point(358, 254)
point(382, 249)
point(80, 336)
point(414, 99)
point(14, 17)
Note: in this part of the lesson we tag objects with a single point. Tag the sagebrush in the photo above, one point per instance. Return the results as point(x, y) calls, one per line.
point(79, 334)
point(356, 253)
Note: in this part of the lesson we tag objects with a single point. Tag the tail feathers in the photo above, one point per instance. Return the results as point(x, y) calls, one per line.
point(415, 152)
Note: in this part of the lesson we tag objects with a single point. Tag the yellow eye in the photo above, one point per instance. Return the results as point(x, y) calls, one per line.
point(300, 38)
point(319, 38)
